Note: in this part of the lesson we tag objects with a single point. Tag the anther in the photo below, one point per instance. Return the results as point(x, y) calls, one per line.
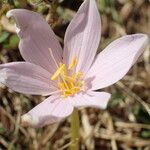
point(73, 63)
point(58, 72)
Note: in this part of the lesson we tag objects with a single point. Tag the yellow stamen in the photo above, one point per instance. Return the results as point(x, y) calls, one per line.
point(78, 75)
point(58, 72)
point(69, 79)
point(73, 63)
point(68, 84)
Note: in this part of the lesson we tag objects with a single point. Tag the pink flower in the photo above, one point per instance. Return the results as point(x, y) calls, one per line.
point(71, 76)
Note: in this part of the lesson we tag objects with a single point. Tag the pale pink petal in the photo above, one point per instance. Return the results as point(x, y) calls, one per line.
point(26, 78)
point(36, 39)
point(116, 60)
point(51, 110)
point(83, 36)
point(91, 99)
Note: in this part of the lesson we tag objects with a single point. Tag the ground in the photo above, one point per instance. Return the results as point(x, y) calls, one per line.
point(124, 125)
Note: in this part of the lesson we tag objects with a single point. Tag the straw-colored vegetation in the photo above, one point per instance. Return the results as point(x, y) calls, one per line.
point(124, 125)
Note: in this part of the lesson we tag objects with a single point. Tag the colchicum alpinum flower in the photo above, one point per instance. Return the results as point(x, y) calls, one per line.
point(72, 75)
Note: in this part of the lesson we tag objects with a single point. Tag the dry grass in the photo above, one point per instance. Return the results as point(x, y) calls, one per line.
point(125, 125)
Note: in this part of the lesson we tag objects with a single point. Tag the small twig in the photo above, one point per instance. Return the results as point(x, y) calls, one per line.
point(65, 146)
point(111, 130)
point(137, 142)
point(87, 132)
point(129, 92)
point(50, 134)
point(13, 121)
point(132, 125)
point(3, 142)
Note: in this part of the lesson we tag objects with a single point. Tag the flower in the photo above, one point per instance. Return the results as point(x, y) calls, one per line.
point(70, 76)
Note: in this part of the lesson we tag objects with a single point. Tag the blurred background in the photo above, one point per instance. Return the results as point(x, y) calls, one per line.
point(124, 125)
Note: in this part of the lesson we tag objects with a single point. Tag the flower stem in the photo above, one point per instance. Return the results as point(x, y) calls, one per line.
point(75, 126)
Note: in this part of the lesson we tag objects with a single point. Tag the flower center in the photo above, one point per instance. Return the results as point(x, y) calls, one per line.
point(69, 82)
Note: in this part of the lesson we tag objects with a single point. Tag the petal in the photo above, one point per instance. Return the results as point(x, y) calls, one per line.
point(36, 39)
point(26, 78)
point(83, 36)
point(116, 60)
point(51, 110)
point(91, 99)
